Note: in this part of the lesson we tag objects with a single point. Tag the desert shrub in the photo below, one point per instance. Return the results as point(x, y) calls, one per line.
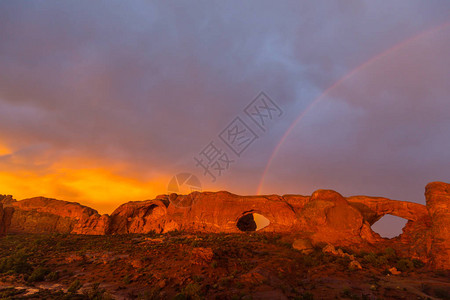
point(343, 261)
point(97, 293)
point(53, 276)
point(382, 261)
point(10, 293)
point(127, 279)
point(361, 254)
point(74, 286)
point(390, 253)
point(418, 263)
point(405, 265)
point(38, 274)
point(192, 291)
point(377, 260)
point(17, 263)
point(370, 258)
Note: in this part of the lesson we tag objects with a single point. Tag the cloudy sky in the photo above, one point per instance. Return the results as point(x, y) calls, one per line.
point(104, 102)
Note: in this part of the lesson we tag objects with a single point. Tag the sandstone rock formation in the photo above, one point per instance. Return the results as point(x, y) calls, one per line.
point(41, 215)
point(325, 217)
point(330, 218)
point(2, 222)
point(5, 215)
point(438, 204)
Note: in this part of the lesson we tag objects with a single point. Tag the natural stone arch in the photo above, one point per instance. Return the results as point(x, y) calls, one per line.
point(252, 221)
point(374, 208)
point(139, 217)
point(396, 226)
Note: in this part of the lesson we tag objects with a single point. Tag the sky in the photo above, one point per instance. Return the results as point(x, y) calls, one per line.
point(104, 102)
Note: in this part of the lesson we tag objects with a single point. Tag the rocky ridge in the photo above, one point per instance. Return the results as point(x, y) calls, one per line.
point(325, 217)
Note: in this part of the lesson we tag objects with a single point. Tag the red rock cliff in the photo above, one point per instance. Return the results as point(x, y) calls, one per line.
point(324, 217)
point(438, 204)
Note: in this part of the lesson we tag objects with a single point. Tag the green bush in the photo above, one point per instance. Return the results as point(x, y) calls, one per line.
point(405, 265)
point(17, 263)
point(418, 263)
point(97, 293)
point(53, 276)
point(9, 293)
point(74, 286)
point(390, 253)
point(127, 279)
point(38, 274)
point(378, 260)
point(382, 261)
point(370, 258)
point(192, 291)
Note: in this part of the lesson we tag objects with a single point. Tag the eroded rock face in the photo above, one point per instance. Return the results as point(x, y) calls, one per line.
point(2, 222)
point(438, 204)
point(5, 218)
point(325, 217)
point(44, 215)
point(221, 211)
point(139, 217)
point(330, 217)
point(415, 241)
point(374, 208)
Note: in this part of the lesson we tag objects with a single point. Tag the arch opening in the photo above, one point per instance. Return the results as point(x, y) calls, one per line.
point(252, 222)
point(389, 226)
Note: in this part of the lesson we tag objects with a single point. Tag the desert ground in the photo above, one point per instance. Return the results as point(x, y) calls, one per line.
point(182, 265)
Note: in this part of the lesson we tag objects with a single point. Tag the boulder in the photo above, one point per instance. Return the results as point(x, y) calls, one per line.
point(394, 271)
point(354, 265)
point(303, 245)
point(139, 217)
point(331, 219)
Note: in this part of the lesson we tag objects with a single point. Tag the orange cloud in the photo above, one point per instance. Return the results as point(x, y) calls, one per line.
point(4, 150)
point(96, 187)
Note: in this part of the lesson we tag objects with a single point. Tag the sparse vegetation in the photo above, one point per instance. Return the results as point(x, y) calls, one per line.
point(38, 274)
point(157, 266)
point(74, 286)
point(405, 265)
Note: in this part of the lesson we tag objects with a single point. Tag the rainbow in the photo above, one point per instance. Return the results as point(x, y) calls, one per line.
point(359, 68)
